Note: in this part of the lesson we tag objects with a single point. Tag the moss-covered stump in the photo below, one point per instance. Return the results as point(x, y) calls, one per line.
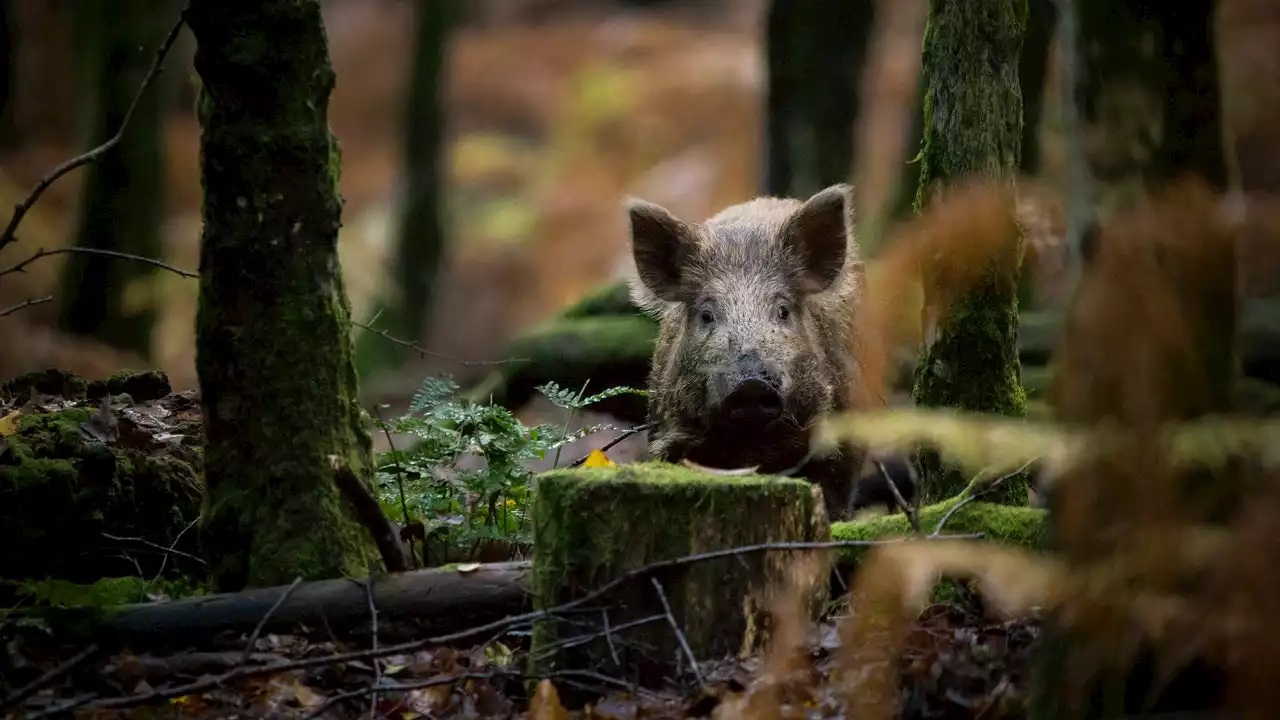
point(594, 525)
point(609, 299)
point(607, 350)
point(1013, 525)
point(61, 488)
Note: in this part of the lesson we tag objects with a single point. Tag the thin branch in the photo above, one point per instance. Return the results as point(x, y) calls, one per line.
point(909, 510)
point(42, 253)
point(399, 687)
point(20, 210)
point(156, 546)
point(165, 560)
point(609, 445)
point(48, 678)
point(942, 521)
point(209, 683)
point(675, 627)
point(423, 352)
point(26, 304)
point(253, 639)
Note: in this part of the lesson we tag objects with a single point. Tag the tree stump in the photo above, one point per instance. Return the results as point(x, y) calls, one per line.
point(596, 525)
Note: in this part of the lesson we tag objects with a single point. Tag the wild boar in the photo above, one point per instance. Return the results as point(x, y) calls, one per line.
point(755, 308)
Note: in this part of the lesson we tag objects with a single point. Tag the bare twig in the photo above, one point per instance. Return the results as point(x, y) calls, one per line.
point(675, 627)
point(26, 304)
point(373, 629)
point(20, 210)
point(42, 253)
point(50, 677)
point(913, 517)
point(399, 687)
point(609, 445)
point(423, 352)
point(607, 633)
point(608, 637)
point(253, 638)
point(156, 546)
point(942, 521)
point(165, 560)
point(209, 683)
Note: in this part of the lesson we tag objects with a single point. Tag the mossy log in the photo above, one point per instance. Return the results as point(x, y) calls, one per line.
point(446, 597)
point(607, 350)
point(1009, 524)
point(61, 488)
point(596, 525)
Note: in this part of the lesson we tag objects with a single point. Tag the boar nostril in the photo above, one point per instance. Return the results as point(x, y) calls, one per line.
point(754, 398)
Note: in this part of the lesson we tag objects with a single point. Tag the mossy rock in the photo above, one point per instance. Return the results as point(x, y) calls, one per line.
point(593, 525)
point(51, 381)
point(140, 385)
point(60, 490)
point(608, 350)
point(609, 299)
point(1010, 524)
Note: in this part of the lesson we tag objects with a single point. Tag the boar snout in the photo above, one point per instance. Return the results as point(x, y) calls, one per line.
point(752, 393)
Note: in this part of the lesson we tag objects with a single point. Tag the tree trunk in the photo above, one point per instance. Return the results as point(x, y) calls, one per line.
point(815, 53)
point(422, 228)
point(274, 353)
point(1149, 104)
point(123, 193)
point(973, 126)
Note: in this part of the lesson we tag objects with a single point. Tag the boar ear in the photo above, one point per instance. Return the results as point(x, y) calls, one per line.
point(818, 233)
point(661, 244)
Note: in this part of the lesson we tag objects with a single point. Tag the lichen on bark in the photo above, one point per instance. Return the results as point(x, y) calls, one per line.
point(973, 126)
point(274, 353)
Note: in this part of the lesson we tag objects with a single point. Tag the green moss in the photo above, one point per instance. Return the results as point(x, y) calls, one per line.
point(59, 492)
point(609, 299)
point(1021, 526)
point(594, 524)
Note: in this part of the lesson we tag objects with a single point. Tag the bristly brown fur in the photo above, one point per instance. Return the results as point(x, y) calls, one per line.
point(746, 260)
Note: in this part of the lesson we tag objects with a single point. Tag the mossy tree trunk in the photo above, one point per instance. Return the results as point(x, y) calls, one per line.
point(973, 126)
point(274, 353)
point(122, 202)
point(815, 52)
point(1149, 102)
point(422, 240)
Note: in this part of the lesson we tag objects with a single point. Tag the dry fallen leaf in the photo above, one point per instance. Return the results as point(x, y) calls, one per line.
point(598, 459)
point(9, 423)
point(545, 703)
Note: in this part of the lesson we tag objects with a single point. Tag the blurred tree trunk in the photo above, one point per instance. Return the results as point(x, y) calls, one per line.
point(8, 63)
point(973, 126)
point(123, 199)
point(422, 232)
point(1149, 102)
point(274, 353)
point(815, 52)
point(1042, 19)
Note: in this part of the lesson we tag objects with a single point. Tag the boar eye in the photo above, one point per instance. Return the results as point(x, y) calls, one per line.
point(784, 312)
point(705, 316)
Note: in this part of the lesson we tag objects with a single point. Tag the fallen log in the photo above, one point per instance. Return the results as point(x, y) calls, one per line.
point(460, 595)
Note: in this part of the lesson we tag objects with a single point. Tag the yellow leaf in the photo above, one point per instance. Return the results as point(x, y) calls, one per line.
point(596, 459)
point(9, 423)
point(392, 669)
point(545, 704)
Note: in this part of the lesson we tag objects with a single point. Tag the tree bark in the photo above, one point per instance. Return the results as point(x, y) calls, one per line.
point(123, 193)
point(815, 52)
point(973, 126)
point(274, 354)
